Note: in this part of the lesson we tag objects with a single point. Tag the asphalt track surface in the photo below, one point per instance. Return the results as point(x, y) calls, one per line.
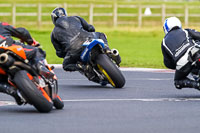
point(148, 103)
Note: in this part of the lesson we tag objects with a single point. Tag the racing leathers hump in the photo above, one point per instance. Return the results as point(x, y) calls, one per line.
point(69, 33)
point(175, 44)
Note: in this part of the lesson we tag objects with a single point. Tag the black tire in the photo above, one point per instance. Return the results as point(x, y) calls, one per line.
point(31, 92)
point(111, 69)
point(58, 103)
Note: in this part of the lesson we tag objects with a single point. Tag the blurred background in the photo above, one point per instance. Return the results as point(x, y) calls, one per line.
point(132, 26)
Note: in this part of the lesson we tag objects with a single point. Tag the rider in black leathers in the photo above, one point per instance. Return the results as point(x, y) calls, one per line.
point(69, 34)
point(181, 48)
point(33, 54)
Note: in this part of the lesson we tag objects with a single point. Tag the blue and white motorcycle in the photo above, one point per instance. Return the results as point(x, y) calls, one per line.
point(101, 66)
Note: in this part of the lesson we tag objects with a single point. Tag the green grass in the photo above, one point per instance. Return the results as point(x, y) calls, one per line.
point(137, 47)
point(147, 21)
point(44, 38)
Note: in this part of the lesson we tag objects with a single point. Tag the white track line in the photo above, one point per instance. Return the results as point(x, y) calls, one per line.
point(132, 69)
point(135, 99)
point(131, 79)
point(7, 103)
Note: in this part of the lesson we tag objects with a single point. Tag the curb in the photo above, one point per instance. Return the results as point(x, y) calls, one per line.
point(133, 69)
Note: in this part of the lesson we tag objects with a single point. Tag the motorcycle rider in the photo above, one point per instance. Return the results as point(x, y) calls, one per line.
point(34, 54)
point(69, 33)
point(181, 52)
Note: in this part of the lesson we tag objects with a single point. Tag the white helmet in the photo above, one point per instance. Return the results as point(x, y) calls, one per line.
point(170, 23)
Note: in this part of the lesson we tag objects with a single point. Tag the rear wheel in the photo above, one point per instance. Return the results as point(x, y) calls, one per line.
point(110, 71)
point(38, 98)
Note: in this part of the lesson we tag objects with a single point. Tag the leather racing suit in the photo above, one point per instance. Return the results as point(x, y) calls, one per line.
point(180, 48)
point(69, 33)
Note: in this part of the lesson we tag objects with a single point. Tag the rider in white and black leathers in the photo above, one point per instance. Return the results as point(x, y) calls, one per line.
point(69, 34)
point(180, 48)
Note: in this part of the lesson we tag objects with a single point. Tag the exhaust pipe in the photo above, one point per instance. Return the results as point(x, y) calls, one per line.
point(6, 60)
point(3, 58)
point(115, 56)
point(115, 52)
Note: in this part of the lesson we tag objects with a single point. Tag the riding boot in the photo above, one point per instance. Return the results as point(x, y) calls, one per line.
point(82, 67)
point(43, 70)
point(10, 90)
point(71, 67)
point(187, 83)
point(87, 70)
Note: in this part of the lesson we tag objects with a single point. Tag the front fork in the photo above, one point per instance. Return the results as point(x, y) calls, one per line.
point(54, 87)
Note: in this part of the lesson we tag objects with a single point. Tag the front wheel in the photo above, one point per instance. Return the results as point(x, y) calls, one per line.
point(110, 71)
point(58, 103)
point(39, 99)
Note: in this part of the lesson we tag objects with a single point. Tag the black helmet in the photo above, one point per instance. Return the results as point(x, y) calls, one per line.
point(56, 13)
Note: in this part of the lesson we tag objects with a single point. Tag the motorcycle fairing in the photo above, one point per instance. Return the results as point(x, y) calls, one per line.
point(89, 45)
point(17, 49)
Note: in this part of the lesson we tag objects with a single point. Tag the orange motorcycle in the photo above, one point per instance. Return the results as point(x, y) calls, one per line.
point(32, 87)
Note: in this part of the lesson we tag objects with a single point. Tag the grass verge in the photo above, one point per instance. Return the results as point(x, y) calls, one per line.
point(137, 47)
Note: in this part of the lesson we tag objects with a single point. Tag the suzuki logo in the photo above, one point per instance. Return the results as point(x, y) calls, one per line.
point(18, 49)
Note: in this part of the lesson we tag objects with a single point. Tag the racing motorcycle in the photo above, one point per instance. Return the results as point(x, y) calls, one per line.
point(32, 87)
point(101, 66)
